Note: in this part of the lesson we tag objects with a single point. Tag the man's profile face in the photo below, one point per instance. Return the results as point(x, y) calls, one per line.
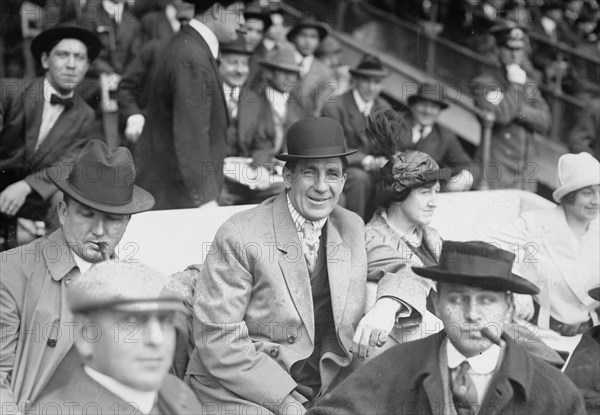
point(133, 347)
point(255, 30)
point(315, 186)
point(89, 232)
point(465, 311)
point(234, 68)
point(307, 41)
point(230, 21)
point(66, 64)
point(368, 87)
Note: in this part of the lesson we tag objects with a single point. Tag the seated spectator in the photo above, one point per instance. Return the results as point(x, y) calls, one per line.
point(42, 122)
point(583, 366)
point(520, 113)
point(258, 22)
point(351, 110)
point(330, 51)
point(431, 138)
point(560, 254)
point(315, 75)
point(124, 333)
point(585, 135)
point(471, 366)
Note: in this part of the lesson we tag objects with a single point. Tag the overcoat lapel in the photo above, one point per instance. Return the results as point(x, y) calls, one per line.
point(338, 270)
point(66, 120)
point(34, 107)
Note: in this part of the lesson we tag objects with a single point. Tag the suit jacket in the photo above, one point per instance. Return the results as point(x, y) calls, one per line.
point(522, 118)
point(180, 152)
point(256, 128)
point(583, 368)
point(21, 107)
point(254, 309)
point(408, 379)
point(344, 110)
point(315, 88)
point(155, 26)
point(27, 362)
point(255, 69)
point(81, 393)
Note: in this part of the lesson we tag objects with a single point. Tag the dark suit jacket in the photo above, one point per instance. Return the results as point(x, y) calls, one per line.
point(584, 369)
point(155, 26)
point(82, 394)
point(255, 70)
point(344, 110)
point(180, 152)
point(21, 107)
point(256, 129)
point(316, 87)
point(407, 379)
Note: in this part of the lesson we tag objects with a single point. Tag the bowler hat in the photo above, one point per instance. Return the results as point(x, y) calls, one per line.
point(127, 286)
point(281, 57)
point(595, 293)
point(237, 46)
point(308, 22)
point(315, 138)
point(429, 92)
point(52, 36)
point(102, 179)
point(575, 171)
point(477, 264)
point(509, 35)
point(369, 65)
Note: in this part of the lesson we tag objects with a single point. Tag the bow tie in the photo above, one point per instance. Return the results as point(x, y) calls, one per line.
point(56, 100)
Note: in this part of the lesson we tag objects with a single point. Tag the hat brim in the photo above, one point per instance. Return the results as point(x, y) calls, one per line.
point(323, 32)
point(416, 98)
point(288, 157)
point(141, 200)
point(133, 305)
point(595, 293)
point(371, 73)
point(265, 18)
point(515, 284)
point(89, 38)
point(289, 68)
point(562, 191)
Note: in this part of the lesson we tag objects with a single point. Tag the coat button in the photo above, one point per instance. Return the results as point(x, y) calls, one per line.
point(291, 339)
point(274, 352)
point(68, 281)
point(508, 136)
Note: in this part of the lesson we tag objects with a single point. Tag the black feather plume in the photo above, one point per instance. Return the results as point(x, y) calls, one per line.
point(389, 132)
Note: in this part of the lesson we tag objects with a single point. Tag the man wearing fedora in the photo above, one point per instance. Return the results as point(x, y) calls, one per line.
point(351, 110)
point(469, 367)
point(180, 152)
point(286, 287)
point(124, 331)
point(522, 116)
point(315, 84)
point(42, 122)
point(258, 21)
point(431, 138)
point(99, 199)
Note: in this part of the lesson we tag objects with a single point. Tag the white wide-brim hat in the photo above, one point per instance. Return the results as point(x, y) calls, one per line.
point(576, 171)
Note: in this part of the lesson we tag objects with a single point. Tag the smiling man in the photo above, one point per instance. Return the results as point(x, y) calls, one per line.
point(36, 352)
point(42, 122)
point(471, 366)
point(285, 286)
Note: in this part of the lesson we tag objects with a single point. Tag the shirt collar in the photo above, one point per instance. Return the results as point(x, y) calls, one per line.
point(276, 97)
point(49, 90)
point(483, 363)
point(415, 239)
point(144, 401)
point(300, 220)
point(363, 106)
point(82, 264)
point(208, 35)
point(231, 89)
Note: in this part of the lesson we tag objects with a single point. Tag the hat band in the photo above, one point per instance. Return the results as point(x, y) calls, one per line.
point(467, 264)
point(318, 152)
point(101, 189)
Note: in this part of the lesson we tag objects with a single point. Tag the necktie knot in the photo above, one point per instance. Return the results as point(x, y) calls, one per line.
point(56, 100)
point(309, 244)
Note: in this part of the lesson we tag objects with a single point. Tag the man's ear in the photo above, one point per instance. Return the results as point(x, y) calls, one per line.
point(434, 301)
point(61, 210)
point(287, 177)
point(44, 60)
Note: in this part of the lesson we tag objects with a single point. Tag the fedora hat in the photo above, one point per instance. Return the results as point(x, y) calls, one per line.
point(102, 179)
point(126, 286)
point(49, 38)
point(238, 46)
point(281, 57)
point(315, 138)
point(575, 171)
point(369, 65)
point(308, 22)
point(429, 92)
point(477, 264)
point(258, 13)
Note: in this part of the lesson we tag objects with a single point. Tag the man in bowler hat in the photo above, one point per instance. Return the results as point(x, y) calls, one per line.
point(285, 286)
point(470, 366)
point(124, 317)
point(43, 122)
point(36, 353)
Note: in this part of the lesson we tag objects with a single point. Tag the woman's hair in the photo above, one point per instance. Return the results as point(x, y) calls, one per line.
point(569, 198)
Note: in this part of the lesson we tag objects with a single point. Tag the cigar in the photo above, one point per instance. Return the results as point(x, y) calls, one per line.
point(104, 251)
point(491, 336)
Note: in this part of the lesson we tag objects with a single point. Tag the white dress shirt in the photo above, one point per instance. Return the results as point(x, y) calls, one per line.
point(305, 62)
point(232, 96)
point(420, 131)
point(50, 113)
point(208, 35)
point(300, 220)
point(278, 101)
point(364, 107)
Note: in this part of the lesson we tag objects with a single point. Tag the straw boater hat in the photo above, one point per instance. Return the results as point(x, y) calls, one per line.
point(369, 66)
point(429, 92)
point(477, 264)
point(308, 22)
point(125, 286)
point(102, 179)
point(315, 138)
point(575, 171)
point(49, 38)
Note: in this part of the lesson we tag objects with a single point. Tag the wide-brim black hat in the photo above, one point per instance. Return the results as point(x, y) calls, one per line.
point(369, 66)
point(41, 42)
point(595, 293)
point(429, 92)
point(102, 179)
point(477, 264)
point(308, 23)
point(315, 138)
